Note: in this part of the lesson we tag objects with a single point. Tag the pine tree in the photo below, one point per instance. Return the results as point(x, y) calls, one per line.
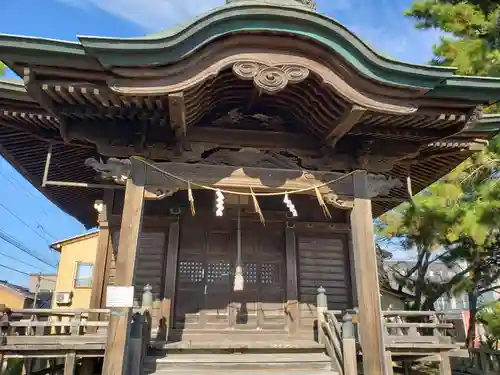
point(473, 33)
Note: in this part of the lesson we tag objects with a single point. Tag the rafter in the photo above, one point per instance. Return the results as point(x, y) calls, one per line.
point(34, 89)
point(345, 123)
point(177, 110)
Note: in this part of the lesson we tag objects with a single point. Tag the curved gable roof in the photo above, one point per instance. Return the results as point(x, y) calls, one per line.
point(166, 47)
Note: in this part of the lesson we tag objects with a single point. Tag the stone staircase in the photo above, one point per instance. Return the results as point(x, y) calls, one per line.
point(204, 352)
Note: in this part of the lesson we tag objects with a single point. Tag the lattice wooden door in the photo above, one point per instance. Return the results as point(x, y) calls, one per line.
point(261, 303)
point(207, 256)
point(204, 281)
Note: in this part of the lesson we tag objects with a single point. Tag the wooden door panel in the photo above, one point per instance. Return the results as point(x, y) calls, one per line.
point(272, 296)
point(218, 281)
point(322, 261)
point(207, 261)
point(190, 277)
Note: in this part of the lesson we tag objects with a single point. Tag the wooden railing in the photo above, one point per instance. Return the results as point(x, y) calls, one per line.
point(424, 327)
point(476, 362)
point(72, 333)
point(45, 329)
point(338, 338)
point(406, 334)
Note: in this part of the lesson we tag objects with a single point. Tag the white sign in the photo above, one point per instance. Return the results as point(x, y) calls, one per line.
point(120, 296)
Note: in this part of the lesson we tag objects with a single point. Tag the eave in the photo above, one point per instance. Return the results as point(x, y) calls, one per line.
point(82, 96)
point(101, 54)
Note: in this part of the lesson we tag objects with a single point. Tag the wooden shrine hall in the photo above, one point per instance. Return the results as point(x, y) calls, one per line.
point(234, 166)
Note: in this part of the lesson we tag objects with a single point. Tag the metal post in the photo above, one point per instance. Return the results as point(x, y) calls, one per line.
point(47, 166)
point(37, 289)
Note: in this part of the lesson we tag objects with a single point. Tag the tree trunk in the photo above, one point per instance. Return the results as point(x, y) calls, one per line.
point(424, 257)
point(471, 331)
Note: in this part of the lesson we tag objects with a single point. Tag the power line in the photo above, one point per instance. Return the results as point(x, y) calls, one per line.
point(17, 260)
point(6, 237)
point(26, 191)
point(22, 221)
point(24, 273)
point(14, 182)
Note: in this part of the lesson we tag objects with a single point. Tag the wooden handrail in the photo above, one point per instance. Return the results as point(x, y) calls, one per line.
point(411, 313)
point(58, 311)
point(333, 339)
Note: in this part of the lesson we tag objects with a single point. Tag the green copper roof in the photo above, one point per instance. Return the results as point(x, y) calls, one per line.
point(289, 17)
point(311, 4)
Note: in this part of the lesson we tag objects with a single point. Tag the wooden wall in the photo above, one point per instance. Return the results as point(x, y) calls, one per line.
point(323, 261)
point(322, 250)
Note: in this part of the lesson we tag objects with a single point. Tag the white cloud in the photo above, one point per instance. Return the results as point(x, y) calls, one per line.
point(380, 23)
point(339, 5)
point(152, 15)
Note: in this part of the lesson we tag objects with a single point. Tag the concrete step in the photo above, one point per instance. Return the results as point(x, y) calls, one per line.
point(295, 363)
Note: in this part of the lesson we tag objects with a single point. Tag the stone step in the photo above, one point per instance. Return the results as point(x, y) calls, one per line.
point(296, 363)
point(238, 345)
point(244, 372)
point(204, 335)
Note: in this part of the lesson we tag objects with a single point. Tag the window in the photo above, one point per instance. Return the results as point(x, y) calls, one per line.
point(83, 278)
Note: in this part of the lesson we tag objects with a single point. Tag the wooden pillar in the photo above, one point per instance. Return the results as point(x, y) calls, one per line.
point(367, 283)
point(445, 365)
point(119, 323)
point(69, 363)
point(292, 293)
point(388, 363)
point(349, 346)
point(99, 280)
point(170, 276)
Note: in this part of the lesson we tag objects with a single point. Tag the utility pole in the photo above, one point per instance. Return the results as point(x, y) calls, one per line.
point(37, 289)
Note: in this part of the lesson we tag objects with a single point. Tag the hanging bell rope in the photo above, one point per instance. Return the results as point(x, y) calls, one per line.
point(238, 275)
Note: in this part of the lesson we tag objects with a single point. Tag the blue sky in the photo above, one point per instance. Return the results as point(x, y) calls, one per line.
point(32, 220)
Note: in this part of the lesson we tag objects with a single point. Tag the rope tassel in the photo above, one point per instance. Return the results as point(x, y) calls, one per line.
point(239, 281)
point(322, 203)
point(191, 199)
point(257, 207)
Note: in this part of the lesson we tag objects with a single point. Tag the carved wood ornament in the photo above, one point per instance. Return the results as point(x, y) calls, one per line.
point(120, 170)
point(271, 73)
point(270, 79)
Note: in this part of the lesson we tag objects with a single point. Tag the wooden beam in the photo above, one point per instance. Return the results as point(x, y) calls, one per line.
point(264, 140)
point(119, 323)
point(99, 281)
point(367, 282)
point(345, 123)
point(177, 111)
point(245, 178)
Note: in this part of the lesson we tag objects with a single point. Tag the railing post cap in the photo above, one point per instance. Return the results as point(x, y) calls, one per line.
point(148, 288)
point(321, 290)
